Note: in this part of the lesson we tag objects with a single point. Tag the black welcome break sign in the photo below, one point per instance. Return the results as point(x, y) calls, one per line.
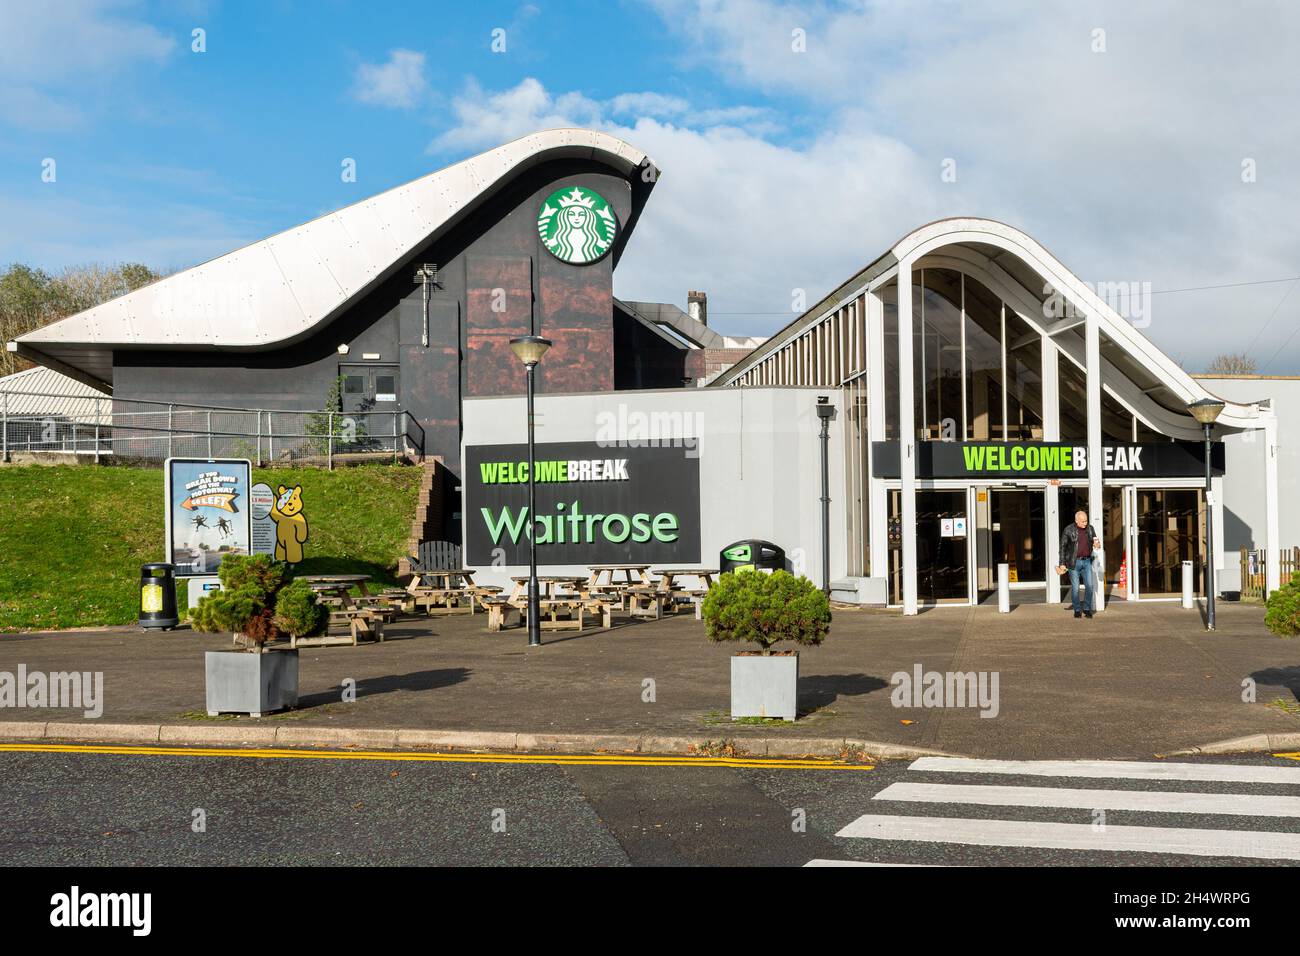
point(1024, 459)
point(596, 504)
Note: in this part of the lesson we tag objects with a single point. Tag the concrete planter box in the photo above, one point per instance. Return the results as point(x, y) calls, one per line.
point(244, 682)
point(765, 686)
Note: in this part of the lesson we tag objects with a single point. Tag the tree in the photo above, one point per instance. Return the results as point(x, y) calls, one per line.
point(32, 298)
point(1232, 364)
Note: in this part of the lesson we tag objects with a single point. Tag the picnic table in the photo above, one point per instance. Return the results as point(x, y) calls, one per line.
point(359, 614)
point(446, 590)
point(564, 601)
point(633, 574)
point(674, 593)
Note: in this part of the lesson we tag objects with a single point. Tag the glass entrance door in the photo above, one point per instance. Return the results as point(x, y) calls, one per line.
point(1119, 570)
point(941, 547)
point(1169, 523)
point(1018, 534)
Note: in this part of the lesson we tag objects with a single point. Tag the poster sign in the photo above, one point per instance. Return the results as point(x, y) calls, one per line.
point(945, 527)
point(261, 499)
point(1040, 459)
point(596, 504)
point(207, 512)
point(959, 527)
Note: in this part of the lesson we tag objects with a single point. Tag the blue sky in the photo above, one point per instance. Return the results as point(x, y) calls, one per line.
point(1114, 133)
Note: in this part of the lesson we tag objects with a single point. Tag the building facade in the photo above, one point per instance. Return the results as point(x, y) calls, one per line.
point(988, 393)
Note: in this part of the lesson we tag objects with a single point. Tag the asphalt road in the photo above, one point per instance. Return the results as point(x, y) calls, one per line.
point(83, 809)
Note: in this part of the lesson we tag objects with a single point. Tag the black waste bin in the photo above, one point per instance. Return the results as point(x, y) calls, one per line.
point(751, 553)
point(158, 596)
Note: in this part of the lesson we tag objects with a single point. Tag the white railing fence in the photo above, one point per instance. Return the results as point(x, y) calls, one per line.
point(92, 428)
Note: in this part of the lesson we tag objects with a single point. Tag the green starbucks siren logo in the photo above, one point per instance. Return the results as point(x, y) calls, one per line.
point(577, 225)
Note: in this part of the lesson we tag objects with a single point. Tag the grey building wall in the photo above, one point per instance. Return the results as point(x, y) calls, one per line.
point(1243, 524)
point(760, 463)
point(495, 247)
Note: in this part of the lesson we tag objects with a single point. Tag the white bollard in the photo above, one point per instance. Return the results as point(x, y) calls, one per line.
point(1189, 585)
point(1004, 589)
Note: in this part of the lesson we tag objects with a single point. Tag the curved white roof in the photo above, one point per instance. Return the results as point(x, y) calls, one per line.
point(278, 290)
point(999, 251)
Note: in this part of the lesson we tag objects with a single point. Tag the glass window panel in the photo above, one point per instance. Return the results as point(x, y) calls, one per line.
point(941, 339)
point(983, 363)
point(1024, 379)
point(889, 301)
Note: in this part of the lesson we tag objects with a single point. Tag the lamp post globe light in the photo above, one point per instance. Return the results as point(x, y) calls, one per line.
point(530, 349)
point(1207, 411)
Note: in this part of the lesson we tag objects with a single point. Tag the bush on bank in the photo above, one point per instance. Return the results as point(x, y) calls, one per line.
point(766, 609)
point(1282, 613)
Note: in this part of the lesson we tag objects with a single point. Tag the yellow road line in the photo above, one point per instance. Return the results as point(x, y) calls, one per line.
point(1290, 756)
point(619, 760)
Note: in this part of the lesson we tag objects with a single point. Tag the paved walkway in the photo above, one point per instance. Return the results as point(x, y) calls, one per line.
point(1137, 680)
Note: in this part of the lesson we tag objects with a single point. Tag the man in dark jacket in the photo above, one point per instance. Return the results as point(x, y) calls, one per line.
point(1079, 542)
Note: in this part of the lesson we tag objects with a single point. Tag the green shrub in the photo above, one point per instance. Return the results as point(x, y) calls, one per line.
point(297, 611)
point(239, 571)
point(228, 610)
point(1282, 615)
point(765, 608)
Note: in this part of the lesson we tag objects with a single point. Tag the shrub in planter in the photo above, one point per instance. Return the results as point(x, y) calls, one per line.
point(252, 571)
point(1282, 614)
point(246, 604)
point(765, 609)
point(297, 611)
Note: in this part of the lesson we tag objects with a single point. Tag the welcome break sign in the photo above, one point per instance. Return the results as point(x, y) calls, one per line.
point(1048, 459)
point(595, 504)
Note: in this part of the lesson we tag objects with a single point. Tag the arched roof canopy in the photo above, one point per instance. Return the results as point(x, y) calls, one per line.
point(1052, 300)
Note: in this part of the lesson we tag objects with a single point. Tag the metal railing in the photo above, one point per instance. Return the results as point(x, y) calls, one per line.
point(91, 428)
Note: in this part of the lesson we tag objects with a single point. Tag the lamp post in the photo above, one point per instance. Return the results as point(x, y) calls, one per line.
point(825, 411)
point(530, 349)
point(1206, 411)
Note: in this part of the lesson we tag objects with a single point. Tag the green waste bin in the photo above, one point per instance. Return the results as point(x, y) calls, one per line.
point(751, 553)
point(158, 596)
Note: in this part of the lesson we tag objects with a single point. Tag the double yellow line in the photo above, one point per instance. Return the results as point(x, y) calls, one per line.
point(605, 760)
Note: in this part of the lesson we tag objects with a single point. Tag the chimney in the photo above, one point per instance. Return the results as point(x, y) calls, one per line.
point(697, 306)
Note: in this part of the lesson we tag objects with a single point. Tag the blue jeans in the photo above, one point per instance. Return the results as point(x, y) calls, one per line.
point(1082, 569)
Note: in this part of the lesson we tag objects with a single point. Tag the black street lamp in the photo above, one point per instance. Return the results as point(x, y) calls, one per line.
point(826, 411)
point(1206, 411)
point(530, 349)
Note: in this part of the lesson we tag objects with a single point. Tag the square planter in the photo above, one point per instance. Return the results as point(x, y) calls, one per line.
point(765, 686)
point(240, 682)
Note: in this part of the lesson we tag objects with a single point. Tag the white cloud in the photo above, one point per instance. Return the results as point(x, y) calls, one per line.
point(1125, 163)
point(56, 40)
point(51, 51)
point(398, 83)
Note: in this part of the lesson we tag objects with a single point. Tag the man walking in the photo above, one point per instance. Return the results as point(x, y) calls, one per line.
point(1079, 542)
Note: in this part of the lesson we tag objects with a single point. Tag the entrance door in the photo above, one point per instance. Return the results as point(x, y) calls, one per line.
point(369, 388)
point(1018, 534)
point(1169, 522)
point(941, 547)
point(1119, 570)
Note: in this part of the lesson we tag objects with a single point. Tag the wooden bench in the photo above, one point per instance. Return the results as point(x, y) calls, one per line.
point(501, 613)
point(646, 602)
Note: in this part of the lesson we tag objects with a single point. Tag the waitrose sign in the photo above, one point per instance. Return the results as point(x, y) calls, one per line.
point(595, 505)
point(1048, 459)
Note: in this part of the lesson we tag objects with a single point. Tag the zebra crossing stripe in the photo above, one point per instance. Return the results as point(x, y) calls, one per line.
point(857, 863)
point(1115, 769)
point(1154, 801)
point(1250, 844)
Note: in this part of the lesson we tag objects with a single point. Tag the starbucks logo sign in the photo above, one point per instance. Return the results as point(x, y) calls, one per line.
point(577, 225)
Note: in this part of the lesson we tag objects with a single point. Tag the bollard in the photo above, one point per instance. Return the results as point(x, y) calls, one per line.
point(1189, 585)
point(1004, 588)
